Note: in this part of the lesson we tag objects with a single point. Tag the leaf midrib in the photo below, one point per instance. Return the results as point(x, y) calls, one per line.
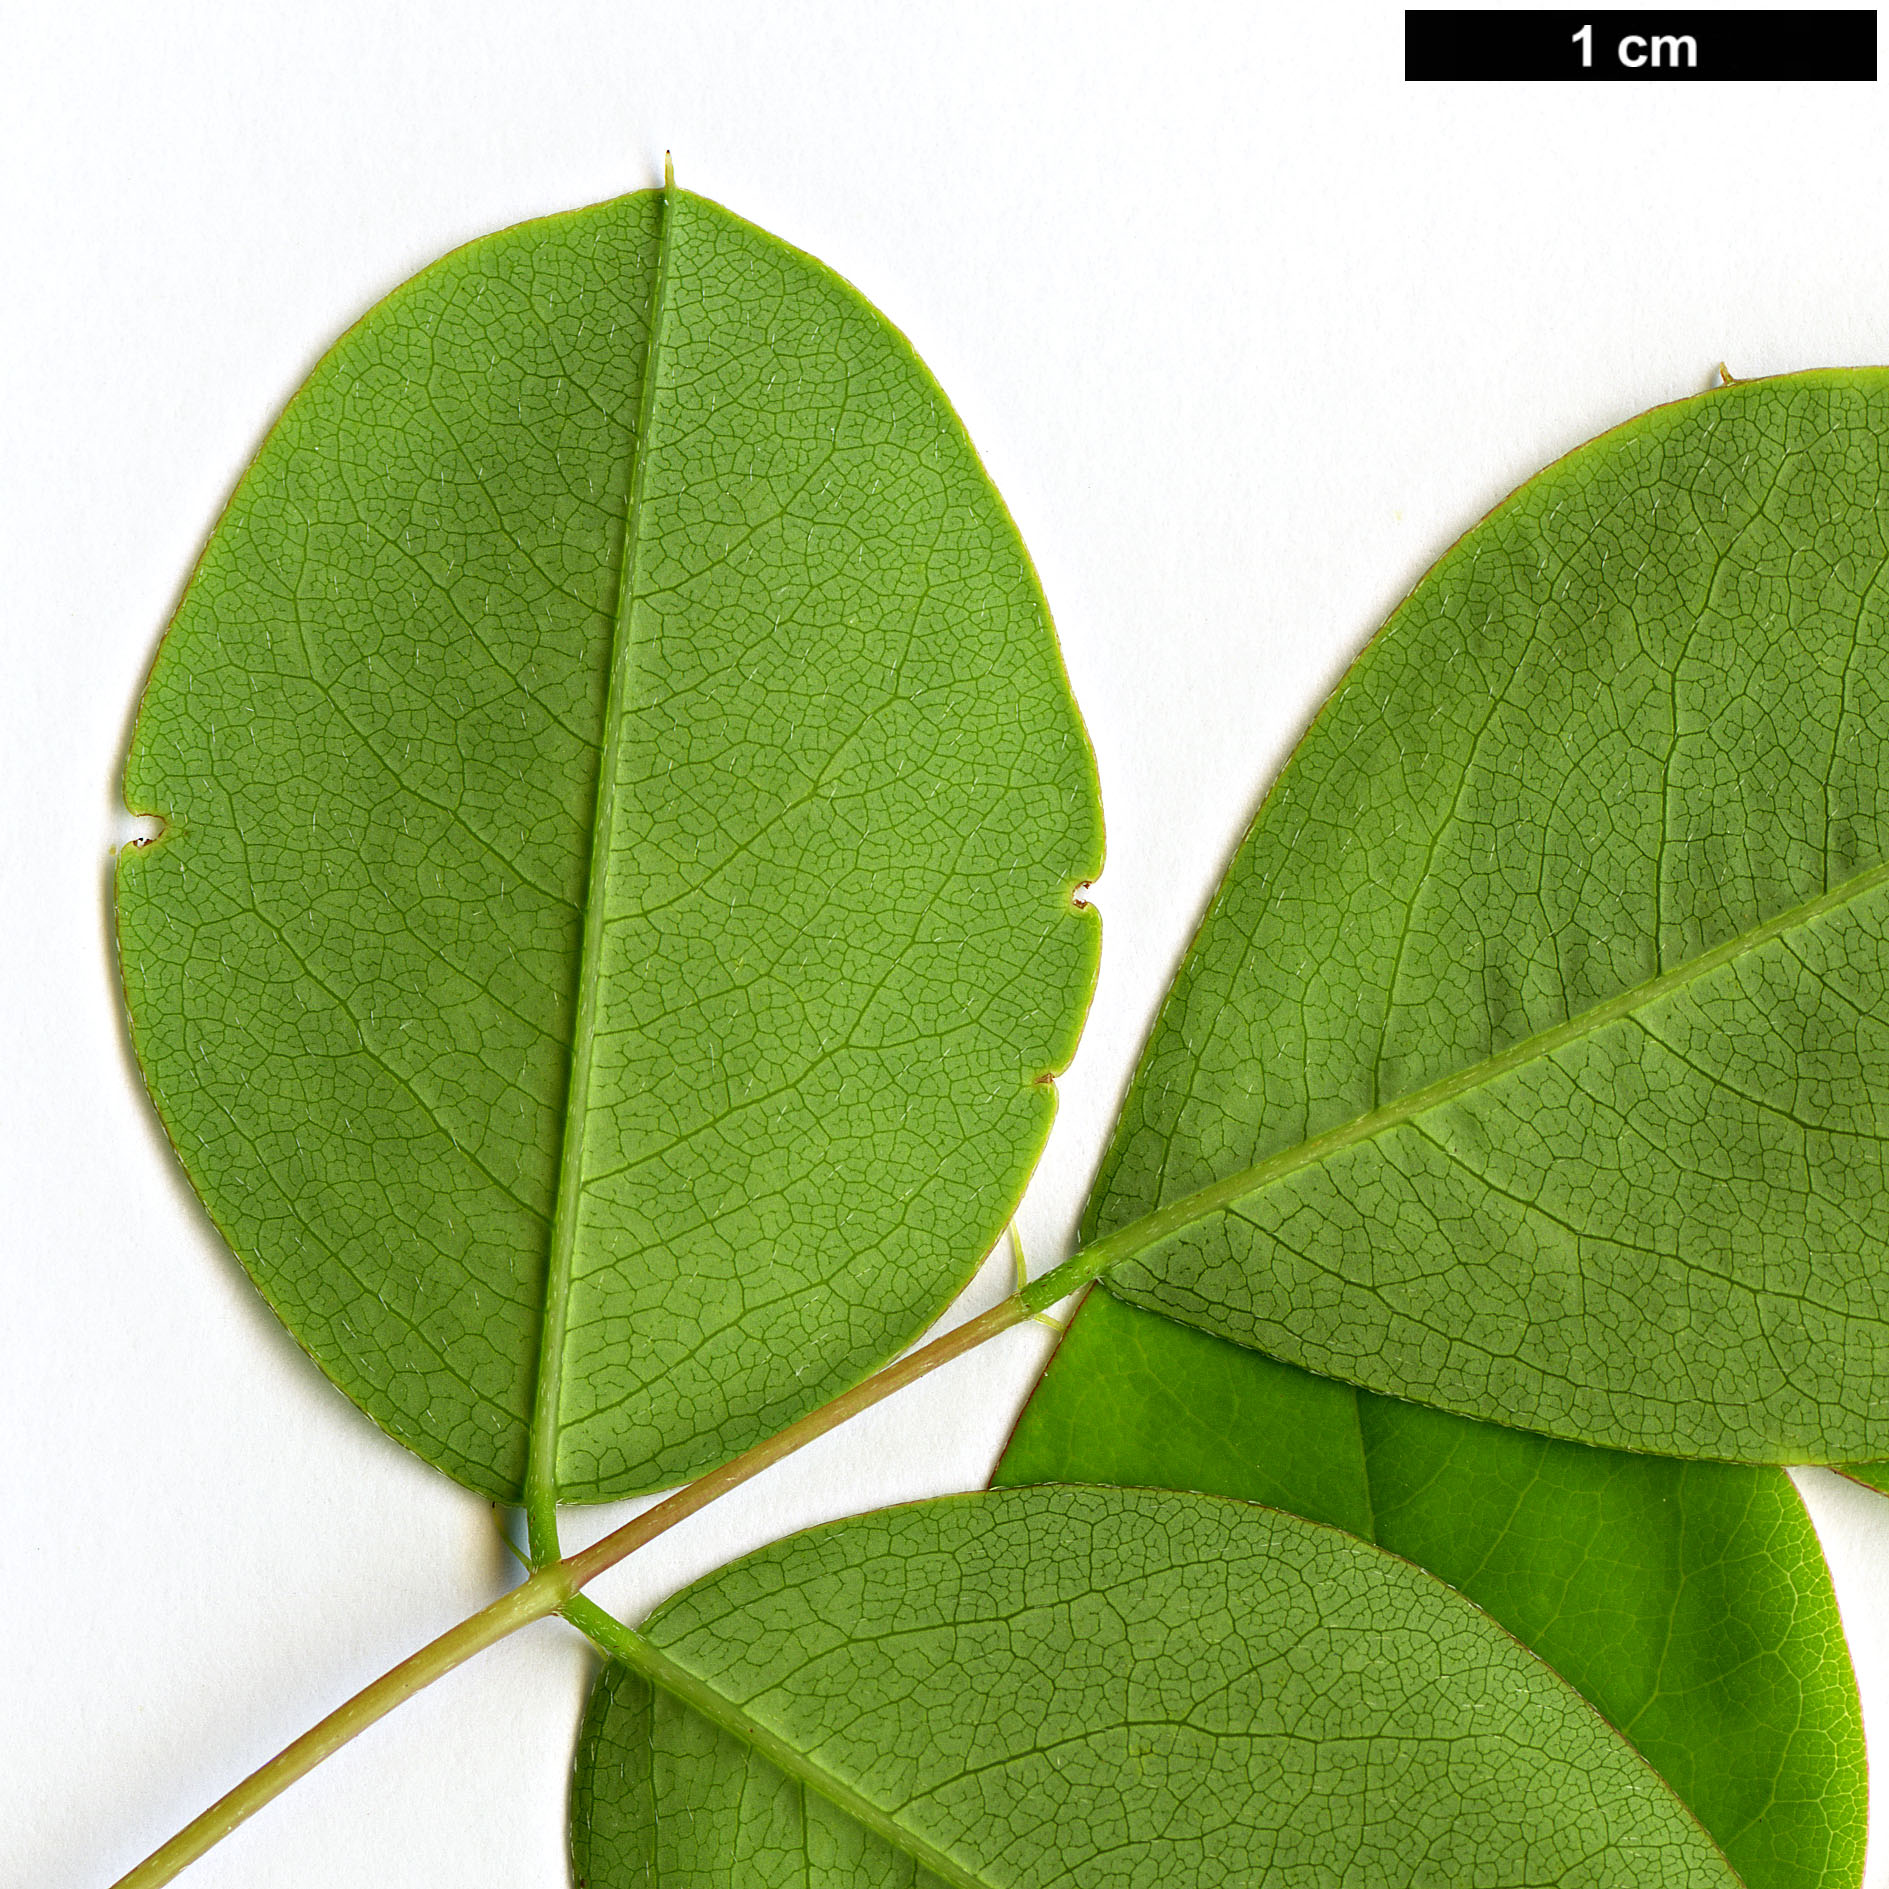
point(642, 1656)
point(541, 1471)
point(1140, 1235)
point(634, 1650)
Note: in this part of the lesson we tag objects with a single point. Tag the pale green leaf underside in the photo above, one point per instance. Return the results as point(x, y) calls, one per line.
point(835, 951)
point(1548, 998)
point(1041, 1687)
point(1687, 1601)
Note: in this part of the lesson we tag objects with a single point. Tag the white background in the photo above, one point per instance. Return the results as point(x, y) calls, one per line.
point(1247, 329)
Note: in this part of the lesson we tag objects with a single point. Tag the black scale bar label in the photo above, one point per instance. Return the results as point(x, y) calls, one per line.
point(1644, 46)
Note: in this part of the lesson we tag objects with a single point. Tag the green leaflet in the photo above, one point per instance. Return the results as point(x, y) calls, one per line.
point(807, 921)
point(1688, 1601)
point(1086, 1686)
point(1536, 1046)
point(1875, 1475)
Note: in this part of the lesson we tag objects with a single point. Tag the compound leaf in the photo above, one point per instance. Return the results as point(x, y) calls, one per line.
point(623, 801)
point(1688, 1601)
point(1535, 1050)
point(1089, 1686)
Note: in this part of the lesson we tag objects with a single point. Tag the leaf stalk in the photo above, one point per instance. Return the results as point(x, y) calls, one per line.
point(542, 1594)
point(554, 1587)
point(546, 1592)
